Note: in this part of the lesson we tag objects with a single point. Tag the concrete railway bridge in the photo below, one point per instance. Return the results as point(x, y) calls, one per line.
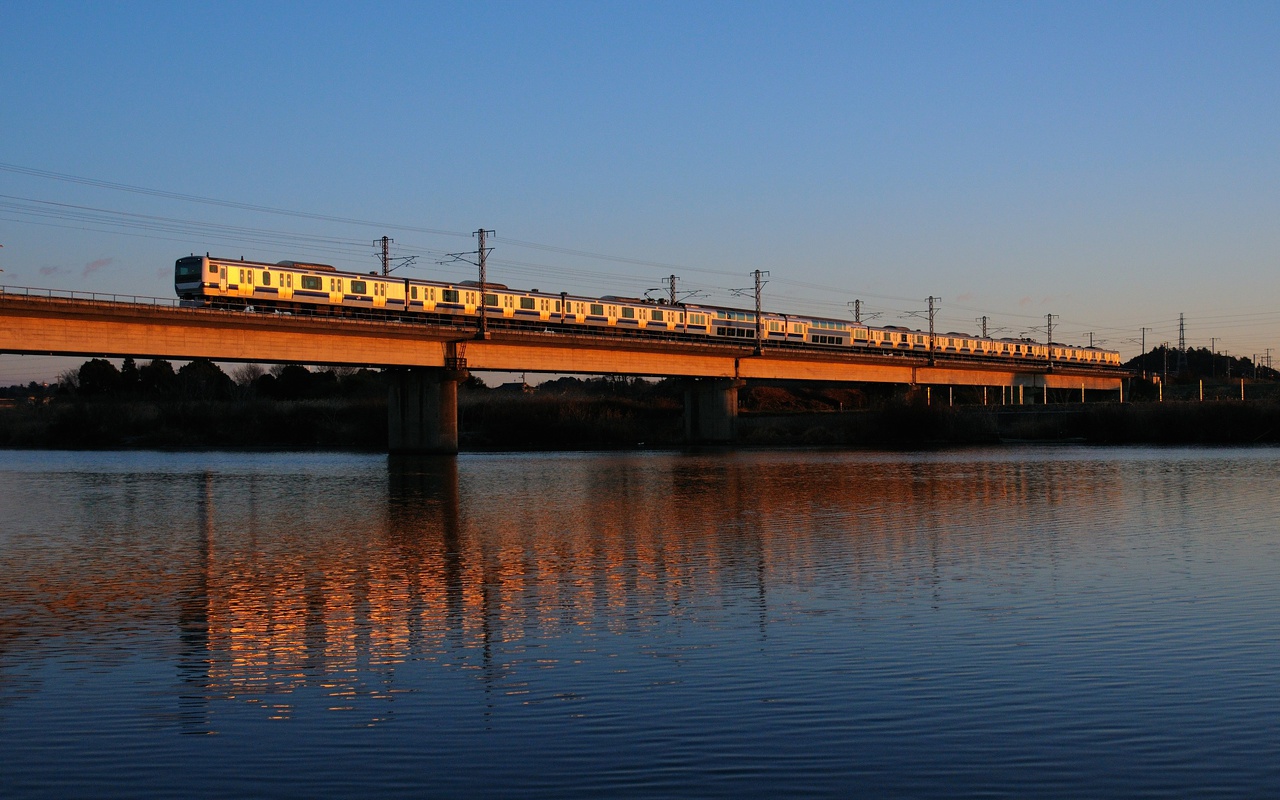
point(428, 361)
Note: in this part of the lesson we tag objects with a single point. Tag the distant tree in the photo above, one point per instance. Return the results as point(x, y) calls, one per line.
point(265, 385)
point(205, 380)
point(362, 383)
point(246, 374)
point(68, 381)
point(293, 382)
point(129, 375)
point(157, 378)
point(99, 377)
point(324, 384)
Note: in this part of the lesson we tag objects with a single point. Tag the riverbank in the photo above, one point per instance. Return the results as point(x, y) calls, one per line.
point(493, 421)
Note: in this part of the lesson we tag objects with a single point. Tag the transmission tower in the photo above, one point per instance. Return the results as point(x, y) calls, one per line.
point(1182, 345)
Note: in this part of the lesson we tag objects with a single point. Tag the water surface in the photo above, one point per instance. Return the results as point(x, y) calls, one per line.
point(994, 623)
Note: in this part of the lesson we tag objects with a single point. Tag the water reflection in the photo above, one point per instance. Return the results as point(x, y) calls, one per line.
point(280, 581)
point(808, 600)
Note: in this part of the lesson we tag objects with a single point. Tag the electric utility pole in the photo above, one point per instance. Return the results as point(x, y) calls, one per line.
point(759, 322)
point(983, 320)
point(671, 288)
point(482, 252)
point(1049, 333)
point(932, 338)
point(1144, 352)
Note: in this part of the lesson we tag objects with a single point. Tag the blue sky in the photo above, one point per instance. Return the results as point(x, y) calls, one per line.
point(1115, 164)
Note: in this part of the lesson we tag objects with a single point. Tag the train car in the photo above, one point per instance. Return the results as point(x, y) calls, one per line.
point(283, 286)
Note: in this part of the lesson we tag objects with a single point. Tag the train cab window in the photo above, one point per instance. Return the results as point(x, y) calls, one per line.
point(213, 269)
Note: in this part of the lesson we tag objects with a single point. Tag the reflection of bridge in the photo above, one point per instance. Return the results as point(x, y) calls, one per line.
point(423, 399)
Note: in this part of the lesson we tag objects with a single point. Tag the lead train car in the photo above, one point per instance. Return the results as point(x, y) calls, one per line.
point(293, 286)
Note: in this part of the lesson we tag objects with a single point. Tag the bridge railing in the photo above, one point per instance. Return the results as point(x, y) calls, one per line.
point(100, 297)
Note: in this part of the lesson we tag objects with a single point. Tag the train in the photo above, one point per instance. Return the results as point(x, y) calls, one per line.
point(296, 287)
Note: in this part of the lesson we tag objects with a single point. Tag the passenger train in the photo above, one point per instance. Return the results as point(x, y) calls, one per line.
point(298, 287)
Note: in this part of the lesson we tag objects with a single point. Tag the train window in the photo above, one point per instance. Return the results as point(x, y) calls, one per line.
point(213, 269)
point(656, 315)
point(266, 278)
point(359, 287)
point(557, 306)
point(311, 282)
point(628, 312)
point(413, 292)
point(597, 309)
point(527, 303)
point(449, 295)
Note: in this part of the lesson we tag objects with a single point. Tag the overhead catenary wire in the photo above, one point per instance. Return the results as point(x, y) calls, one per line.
point(356, 250)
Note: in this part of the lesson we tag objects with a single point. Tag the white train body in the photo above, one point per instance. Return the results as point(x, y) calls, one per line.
point(298, 287)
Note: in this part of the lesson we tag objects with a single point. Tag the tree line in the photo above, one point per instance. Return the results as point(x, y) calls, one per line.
point(202, 379)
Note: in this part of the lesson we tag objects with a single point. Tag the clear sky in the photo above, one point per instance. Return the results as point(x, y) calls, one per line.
point(1112, 163)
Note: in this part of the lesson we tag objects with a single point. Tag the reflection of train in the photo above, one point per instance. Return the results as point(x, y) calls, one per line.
point(296, 287)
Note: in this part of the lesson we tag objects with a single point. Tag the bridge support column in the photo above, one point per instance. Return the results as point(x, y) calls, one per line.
point(711, 410)
point(422, 410)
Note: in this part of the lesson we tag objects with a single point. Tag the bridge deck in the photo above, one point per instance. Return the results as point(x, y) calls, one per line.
point(79, 327)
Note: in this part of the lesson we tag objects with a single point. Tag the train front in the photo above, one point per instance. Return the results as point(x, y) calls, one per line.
point(191, 275)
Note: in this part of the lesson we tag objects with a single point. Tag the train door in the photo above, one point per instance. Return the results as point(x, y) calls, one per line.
point(222, 279)
point(286, 286)
point(379, 294)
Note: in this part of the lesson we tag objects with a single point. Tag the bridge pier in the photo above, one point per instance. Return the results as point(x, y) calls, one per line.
point(422, 410)
point(711, 410)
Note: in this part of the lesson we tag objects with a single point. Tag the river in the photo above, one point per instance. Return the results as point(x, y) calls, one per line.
point(1053, 621)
